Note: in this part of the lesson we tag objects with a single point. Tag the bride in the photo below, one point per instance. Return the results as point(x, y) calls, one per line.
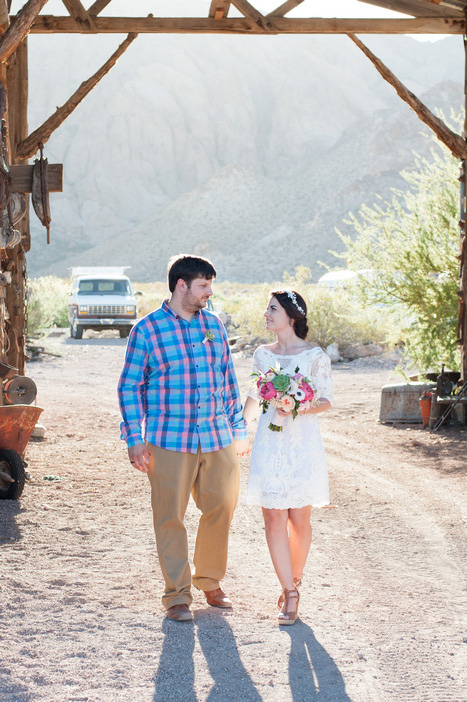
point(288, 472)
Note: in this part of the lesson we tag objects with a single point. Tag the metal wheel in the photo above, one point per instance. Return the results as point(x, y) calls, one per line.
point(124, 332)
point(12, 474)
point(76, 332)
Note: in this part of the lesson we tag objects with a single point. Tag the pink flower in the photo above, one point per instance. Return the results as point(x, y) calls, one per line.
point(297, 376)
point(304, 407)
point(287, 403)
point(267, 391)
point(309, 393)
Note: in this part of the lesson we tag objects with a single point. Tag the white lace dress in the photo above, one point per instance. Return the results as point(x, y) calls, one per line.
point(288, 469)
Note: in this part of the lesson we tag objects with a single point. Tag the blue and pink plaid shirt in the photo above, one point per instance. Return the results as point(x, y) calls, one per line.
point(180, 385)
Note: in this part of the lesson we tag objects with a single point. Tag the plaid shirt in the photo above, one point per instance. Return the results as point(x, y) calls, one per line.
point(181, 387)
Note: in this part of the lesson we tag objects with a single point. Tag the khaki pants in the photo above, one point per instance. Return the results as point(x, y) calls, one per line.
point(213, 481)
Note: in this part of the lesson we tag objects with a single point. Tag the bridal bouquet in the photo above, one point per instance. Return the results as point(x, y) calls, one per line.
point(291, 393)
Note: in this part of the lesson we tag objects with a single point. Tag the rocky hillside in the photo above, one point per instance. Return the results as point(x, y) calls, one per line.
point(250, 150)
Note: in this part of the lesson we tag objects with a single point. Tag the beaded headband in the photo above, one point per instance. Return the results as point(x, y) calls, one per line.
point(293, 297)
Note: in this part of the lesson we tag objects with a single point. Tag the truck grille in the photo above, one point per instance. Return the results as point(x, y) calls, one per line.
point(106, 309)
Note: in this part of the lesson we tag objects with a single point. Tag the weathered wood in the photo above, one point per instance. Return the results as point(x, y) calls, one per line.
point(49, 24)
point(19, 27)
point(83, 20)
point(453, 141)
point(21, 176)
point(417, 8)
point(4, 15)
point(98, 6)
point(285, 8)
point(219, 9)
point(29, 146)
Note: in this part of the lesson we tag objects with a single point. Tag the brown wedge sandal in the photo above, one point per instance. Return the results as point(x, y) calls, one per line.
point(297, 582)
point(289, 616)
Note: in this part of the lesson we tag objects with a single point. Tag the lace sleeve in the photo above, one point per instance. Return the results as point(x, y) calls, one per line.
point(253, 390)
point(321, 375)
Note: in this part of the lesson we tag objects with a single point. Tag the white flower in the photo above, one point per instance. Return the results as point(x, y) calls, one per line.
point(299, 395)
point(293, 388)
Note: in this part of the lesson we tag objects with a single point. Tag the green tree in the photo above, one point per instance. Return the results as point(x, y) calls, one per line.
point(410, 246)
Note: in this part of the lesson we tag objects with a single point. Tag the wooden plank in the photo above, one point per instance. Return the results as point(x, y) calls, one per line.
point(49, 24)
point(285, 8)
point(417, 8)
point(21, 176)
point(455, 143)
point(29, 146)
point(83, 20)
point(19, 27)
point(97, 7)
point(4, 16)
point(219, 9)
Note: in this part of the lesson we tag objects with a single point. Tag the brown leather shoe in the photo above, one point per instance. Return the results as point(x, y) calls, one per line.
point(180, 613)
point(217, 598)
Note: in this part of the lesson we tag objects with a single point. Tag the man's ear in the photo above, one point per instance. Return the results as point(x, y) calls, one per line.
point(181, 285)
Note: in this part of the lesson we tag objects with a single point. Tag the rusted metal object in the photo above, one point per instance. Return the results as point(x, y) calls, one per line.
point(16, 425)
point(19, 391)
point(40, 191)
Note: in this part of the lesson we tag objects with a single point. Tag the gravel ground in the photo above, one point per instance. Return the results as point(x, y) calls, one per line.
point(382, 600)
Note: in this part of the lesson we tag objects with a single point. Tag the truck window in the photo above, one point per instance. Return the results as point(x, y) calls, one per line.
point(104, 287)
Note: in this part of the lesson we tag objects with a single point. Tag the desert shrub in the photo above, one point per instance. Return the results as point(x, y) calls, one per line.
point(334, 316)
point(411, 245)
point(47, 303)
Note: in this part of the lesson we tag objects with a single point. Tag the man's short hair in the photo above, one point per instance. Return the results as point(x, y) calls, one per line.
point(188, 268)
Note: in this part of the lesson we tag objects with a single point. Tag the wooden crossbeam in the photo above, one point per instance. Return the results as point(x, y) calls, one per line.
point(19, 27)
point(455, 143)
point(83, 20)
point(285, 8)
point(219, 9)
point(29, 146)
point(21, 178)
point(417, 8)
point(49, 24)
point(97, 7)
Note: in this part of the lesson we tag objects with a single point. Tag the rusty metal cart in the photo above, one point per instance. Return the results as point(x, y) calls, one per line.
point(17, 421)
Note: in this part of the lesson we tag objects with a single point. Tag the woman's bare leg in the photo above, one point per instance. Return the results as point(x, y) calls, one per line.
point(299, 528)
point(275, 521)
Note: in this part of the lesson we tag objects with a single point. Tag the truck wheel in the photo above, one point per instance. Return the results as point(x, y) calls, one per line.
point(76, 332)
point(12, 465)
point(124, 332)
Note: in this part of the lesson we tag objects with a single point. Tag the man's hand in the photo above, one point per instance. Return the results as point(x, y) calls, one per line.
point(139, 457)
point(243, 447)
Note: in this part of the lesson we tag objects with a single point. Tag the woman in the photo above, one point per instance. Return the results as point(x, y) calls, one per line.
point(288, 472)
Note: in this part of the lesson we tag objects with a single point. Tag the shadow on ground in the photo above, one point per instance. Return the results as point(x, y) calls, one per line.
point(312, 673)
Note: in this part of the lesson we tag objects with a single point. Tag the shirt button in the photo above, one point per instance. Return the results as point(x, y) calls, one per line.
point(193, 346)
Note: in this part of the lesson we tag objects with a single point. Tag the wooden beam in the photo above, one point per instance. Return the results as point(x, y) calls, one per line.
point(29, 146)
point(285, 8)
point(19, 27)
point(250, 12)
point(49, 24)
point(4, 15)
point(219, 9)
point(97, 7)
point(21, 177)
point(455, 143)
point(417, 8)
point(83, 20)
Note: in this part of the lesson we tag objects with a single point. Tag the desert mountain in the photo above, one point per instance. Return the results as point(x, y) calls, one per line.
point(250, 150)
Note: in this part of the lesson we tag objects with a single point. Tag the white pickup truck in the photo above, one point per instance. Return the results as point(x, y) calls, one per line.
point(100, 298)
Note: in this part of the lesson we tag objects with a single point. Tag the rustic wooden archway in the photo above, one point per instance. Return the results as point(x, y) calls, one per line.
point(422, 17)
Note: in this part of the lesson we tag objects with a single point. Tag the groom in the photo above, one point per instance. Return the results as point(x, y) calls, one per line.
point(178, 381)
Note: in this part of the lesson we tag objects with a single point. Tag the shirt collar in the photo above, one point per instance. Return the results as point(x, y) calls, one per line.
point(168, 310)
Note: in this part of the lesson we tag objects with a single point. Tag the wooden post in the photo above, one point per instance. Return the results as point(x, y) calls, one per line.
point(462, 327)
point(14, 259)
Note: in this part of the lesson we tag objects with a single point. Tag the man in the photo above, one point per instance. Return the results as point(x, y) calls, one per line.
point(178, 382)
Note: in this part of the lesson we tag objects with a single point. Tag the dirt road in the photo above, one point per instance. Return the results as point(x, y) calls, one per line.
point(381, 609)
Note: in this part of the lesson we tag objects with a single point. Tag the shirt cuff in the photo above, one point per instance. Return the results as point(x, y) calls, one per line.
point(239, 431)
point(133, 440)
